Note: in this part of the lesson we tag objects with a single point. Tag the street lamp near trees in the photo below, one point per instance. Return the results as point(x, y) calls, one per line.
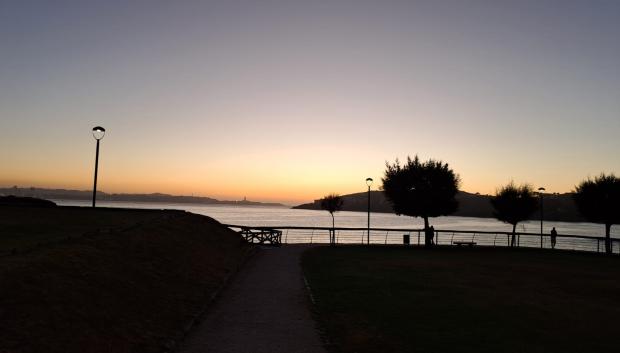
point(98, 134)
point(540, 194)
point(369, 183)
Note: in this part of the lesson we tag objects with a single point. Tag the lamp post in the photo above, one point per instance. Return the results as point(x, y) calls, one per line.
point(98, 133)
point(540, 194)
point(369, 183)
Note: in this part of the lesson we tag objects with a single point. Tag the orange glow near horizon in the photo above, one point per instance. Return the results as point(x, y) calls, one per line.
point(274, 168)
point(289, 184)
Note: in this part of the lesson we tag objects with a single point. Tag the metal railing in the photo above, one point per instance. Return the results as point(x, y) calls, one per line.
point(393, 236)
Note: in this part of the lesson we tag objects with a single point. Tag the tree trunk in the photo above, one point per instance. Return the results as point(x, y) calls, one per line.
point(427, 238)
point(608, 238)
point(514, 231)
point(333, 239)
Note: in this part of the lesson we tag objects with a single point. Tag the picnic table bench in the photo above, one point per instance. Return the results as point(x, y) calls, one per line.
point(262, 236)
point(461, 242)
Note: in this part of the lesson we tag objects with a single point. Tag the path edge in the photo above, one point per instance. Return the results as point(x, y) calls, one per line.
point(173, 344)
point(314, 308)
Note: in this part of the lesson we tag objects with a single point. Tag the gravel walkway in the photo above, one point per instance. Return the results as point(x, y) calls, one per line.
point(264, 309)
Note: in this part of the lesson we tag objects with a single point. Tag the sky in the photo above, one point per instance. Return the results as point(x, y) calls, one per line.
point(290, 100)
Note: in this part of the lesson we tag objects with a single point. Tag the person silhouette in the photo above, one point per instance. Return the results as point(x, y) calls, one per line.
point(428, 237)
point(554, 235)
point(431, 234)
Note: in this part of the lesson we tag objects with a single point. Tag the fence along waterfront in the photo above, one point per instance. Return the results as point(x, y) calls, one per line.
point(393, 236)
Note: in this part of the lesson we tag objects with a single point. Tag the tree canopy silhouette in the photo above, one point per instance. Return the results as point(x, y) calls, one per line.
point(514, 204)
point(421, 189)
point(598, 201)
point(332, 203)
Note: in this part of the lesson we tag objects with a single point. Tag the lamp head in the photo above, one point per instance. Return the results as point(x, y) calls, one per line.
point(98, 132)
point(368, 181)
point(541, 189)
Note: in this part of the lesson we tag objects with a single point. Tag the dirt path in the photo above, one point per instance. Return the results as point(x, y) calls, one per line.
point(264, 309)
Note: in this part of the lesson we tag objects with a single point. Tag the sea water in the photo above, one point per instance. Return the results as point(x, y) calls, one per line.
point(274, 216)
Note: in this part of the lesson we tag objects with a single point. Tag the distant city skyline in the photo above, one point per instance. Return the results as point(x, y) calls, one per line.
point(287, 101)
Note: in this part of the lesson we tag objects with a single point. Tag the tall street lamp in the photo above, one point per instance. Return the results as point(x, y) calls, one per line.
point(98, 133)
point(369, 183)
point(540, 194)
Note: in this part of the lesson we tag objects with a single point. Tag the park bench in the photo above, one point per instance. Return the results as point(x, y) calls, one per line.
point(460, 242)
point(262, 236)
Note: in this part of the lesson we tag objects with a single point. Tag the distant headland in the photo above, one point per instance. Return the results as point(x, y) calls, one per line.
point(558, 207)
point(64, 194)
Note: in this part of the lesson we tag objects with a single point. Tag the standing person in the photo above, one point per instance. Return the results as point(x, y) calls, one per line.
point(554, 235)
point(428, 240)
point(431, 234)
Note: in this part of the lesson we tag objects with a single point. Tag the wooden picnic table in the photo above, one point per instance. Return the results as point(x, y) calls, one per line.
point(262, 236)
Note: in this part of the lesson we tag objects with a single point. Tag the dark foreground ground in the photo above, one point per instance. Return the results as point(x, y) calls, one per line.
point(107, 280)
point(393, 299)
point(264, 310)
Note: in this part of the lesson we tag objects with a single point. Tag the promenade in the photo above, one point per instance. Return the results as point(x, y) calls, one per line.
point(265, 309)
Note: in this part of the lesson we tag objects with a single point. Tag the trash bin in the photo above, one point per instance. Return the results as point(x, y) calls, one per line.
point(406, 239)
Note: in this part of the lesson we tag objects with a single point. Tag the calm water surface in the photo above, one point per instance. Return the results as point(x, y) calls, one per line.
point(282, 216)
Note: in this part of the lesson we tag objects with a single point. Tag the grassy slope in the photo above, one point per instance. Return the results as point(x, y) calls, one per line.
point(127, 282)
point(465, 300)
point(23, 228)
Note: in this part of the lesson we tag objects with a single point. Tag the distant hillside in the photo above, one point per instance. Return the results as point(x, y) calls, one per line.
point(62, 194)
point(557, 207)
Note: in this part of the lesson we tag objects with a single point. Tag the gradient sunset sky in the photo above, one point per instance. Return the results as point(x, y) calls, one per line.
point(290, 100)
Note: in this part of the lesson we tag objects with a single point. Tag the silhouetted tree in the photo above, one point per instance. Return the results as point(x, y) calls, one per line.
point(421, 189)
point(598, 201)
point(332, 203)
point(514, 204)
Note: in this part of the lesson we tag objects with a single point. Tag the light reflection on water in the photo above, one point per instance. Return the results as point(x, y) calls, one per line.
point(282, 216)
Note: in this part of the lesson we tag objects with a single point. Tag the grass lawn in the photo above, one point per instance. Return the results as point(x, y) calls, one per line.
point(107, 280)
point(395, 299)
point(22, 228)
